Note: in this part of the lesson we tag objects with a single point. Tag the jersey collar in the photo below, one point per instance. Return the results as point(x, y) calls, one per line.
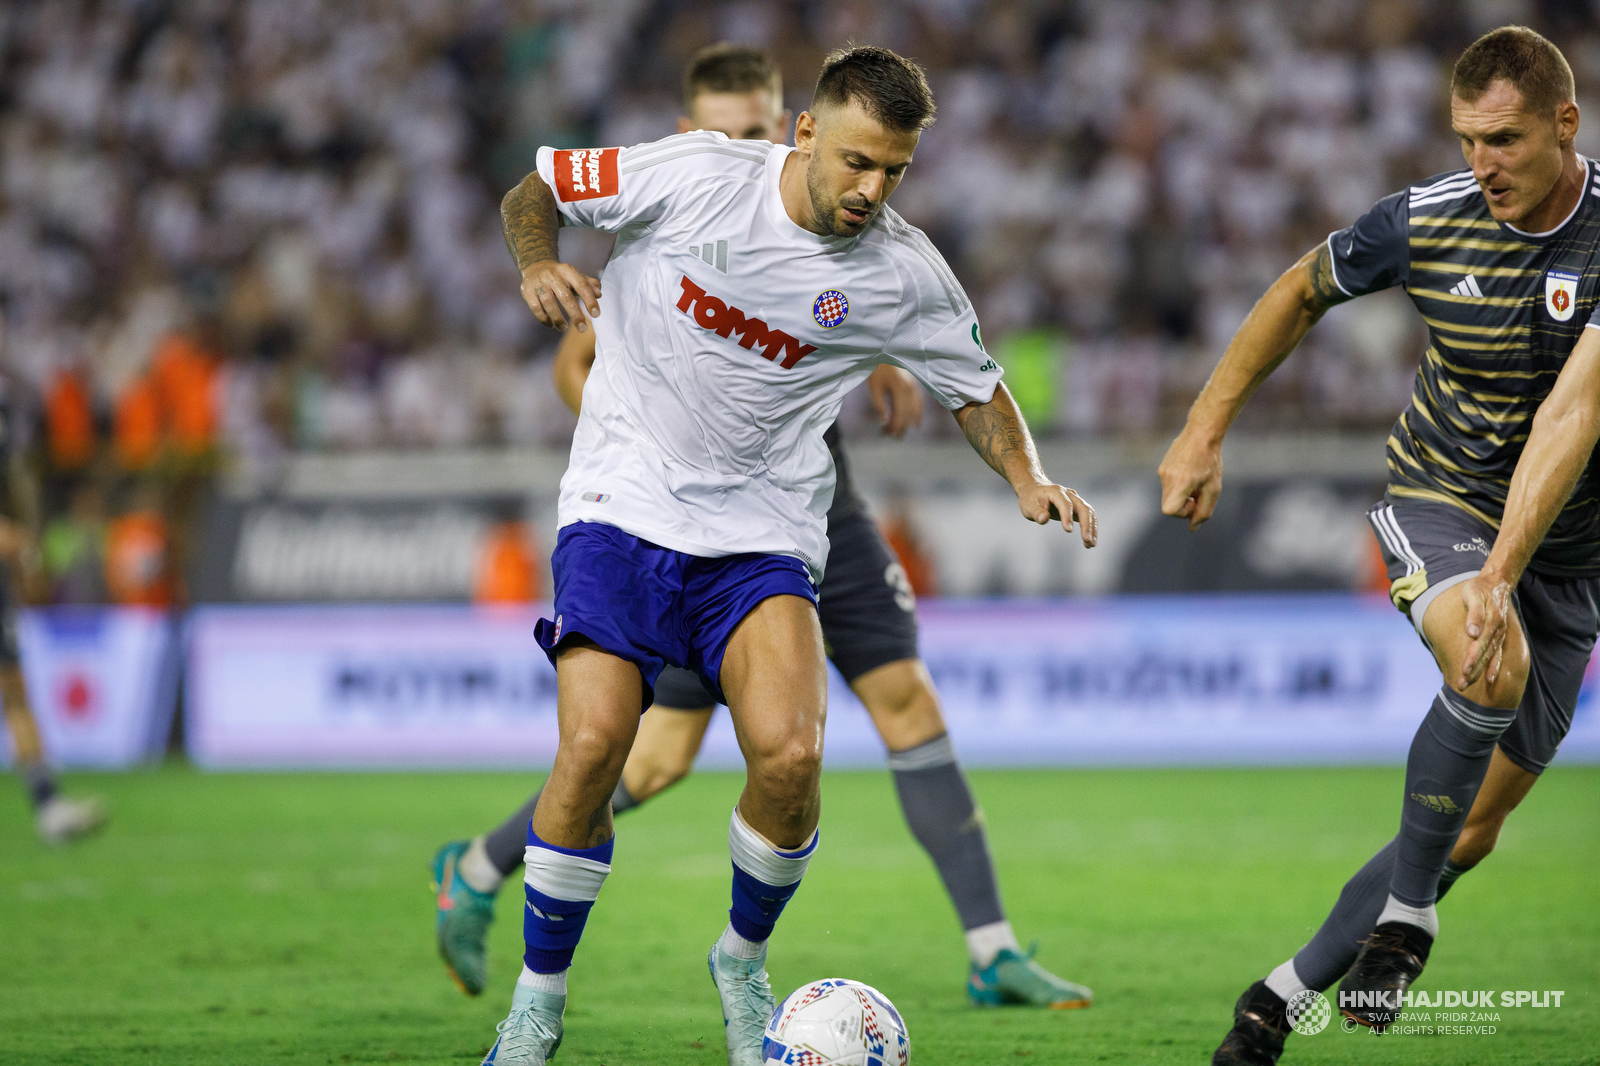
point(780, 215)
point(1583, 198)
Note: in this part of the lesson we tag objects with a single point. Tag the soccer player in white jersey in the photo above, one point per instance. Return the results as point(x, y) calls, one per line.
point(691, 516)
point(867, 611)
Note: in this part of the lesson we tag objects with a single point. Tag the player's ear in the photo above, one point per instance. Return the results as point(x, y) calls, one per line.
point(683, 124)
point(1566, 122)
point(805, 131)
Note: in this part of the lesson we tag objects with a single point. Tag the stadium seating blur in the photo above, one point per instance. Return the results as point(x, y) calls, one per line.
point(231, 232)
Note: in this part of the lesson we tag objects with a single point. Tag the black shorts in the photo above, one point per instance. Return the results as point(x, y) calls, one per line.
point(867, 609)
point(1430, 547)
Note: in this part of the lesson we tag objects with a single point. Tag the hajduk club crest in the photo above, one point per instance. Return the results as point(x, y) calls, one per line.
point(1560, 294)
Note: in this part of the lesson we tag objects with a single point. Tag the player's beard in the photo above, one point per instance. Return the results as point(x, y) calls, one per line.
point(825, 209)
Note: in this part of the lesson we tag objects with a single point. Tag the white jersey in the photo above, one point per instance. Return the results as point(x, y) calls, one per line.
point(727, 339)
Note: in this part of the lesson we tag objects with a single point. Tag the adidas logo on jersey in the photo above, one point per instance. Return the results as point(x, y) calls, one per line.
point(1468, 286)
point(714, 255)
point(723, 319)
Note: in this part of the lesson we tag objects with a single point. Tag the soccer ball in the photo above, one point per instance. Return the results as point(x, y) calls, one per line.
point(836, 1023)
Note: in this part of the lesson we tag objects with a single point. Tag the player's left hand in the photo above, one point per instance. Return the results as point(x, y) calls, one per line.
point(1487, 598)
point(897, 399)
point(1043, 503)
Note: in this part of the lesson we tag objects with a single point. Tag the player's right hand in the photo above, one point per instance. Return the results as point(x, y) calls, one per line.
point(1191, 480)
point(559, 294)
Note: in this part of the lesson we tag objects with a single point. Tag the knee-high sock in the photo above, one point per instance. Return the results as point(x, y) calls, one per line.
point(946, 821)
point(1327, 956)
point(561, 885)
point(505, 843)
point(764, 879)
point(1448, 760)
point(41, 783)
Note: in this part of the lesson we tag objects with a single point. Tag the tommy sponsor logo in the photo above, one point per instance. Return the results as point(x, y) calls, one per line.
point(596, 497)
point(1468, 286)
point(723, 319)
point(1560, 294)
point(1440, 804)
point(586, 173)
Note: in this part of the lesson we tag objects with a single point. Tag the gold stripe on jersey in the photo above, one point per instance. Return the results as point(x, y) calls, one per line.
point(1413, 492)
point(1438, 221)
point(1472, 243)
point(1436, 267)
point(1480, 301)
point(1484, 331)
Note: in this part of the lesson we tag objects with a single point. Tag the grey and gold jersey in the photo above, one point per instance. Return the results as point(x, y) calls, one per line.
point(1504, 309)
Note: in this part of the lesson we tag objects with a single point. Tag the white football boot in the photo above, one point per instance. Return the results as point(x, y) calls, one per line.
point(61, 820)
point(747, 1003)
point(531, 1032)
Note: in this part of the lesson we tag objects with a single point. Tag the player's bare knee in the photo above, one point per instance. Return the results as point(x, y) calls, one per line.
point(595, 750)
point(788, 771)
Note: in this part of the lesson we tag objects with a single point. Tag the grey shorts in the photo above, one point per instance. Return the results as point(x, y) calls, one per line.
point(865, 605)
point(1429, 547)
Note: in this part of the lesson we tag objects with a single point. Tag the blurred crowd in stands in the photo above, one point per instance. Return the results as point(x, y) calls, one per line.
point(234, 229)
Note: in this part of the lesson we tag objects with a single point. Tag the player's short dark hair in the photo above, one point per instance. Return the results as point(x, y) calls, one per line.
point(730, 68)
point(891, 87)
point(1534, 67)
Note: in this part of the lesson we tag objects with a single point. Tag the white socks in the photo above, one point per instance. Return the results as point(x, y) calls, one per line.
point(1285, 982)
point(736, 946)
point(984, 942)
point(476, 869)
point(553, 983)
point(1424, 918)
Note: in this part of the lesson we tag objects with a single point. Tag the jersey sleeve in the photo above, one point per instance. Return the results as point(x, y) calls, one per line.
point(937, 338)
point(609, 188)
point(1375, 252)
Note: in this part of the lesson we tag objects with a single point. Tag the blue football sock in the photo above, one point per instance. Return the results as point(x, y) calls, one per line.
point(561, 885)
point(763, 879)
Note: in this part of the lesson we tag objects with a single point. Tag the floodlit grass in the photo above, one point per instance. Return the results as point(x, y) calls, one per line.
point(286, 918)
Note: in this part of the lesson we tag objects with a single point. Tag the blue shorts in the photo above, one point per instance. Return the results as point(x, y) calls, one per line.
point(654, 606)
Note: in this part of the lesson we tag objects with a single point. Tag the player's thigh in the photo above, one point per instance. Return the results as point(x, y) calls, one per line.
point(1444, 626)
point(775, 678)
point(597, 705)
point(902, 701)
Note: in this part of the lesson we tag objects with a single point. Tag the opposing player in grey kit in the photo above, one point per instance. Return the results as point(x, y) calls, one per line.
point(1491, 523)
point(866, 609)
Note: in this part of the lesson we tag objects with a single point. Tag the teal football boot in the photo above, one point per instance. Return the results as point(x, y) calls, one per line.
point(462, 925)
point(1013, 979)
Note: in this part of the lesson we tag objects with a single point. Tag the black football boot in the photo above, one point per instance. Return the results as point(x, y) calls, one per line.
point(1259, 1027)
point(1372, 993)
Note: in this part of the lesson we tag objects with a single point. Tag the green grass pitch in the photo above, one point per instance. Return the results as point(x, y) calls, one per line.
point(285, 918)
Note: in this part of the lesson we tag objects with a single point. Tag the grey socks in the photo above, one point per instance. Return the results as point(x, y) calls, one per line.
point(1448, 759)
point(41, 783)
point(940, 810)
point(1329, 954)
point(508, 841)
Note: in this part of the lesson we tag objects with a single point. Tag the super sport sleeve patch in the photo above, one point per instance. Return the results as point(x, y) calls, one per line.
point(585, 173)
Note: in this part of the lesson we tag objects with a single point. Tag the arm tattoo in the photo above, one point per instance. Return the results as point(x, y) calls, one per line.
point(1323, 284)
point(529, 221)
point(997, 433)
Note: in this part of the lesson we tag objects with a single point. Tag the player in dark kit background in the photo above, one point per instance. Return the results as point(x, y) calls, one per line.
point(1491, 523)
point(866, 611)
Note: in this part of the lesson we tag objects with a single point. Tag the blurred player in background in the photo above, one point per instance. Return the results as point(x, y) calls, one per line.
point(58, 818)
point(1491, 553)
point(702, 429)
point(869, 627)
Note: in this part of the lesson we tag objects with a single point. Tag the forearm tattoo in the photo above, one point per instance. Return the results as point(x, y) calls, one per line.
point(1323, 285)
point(998, 435)
point(529, 221)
